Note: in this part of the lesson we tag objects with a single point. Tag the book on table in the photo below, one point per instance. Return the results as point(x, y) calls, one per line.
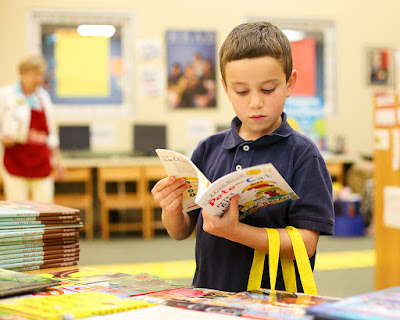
point(70, 306)
point(12, 282)
point(376, 305)
point(257, 186)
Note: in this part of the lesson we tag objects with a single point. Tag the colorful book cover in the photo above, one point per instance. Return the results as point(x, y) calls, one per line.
point(267, 304)
point(383, 304)
point(70, 306)
point(190, 294)
point(257, 186)
point(119, 284)
point(204, 307)
point(12, 282)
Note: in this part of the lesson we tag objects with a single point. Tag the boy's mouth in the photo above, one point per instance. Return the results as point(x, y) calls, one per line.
point(258, 117)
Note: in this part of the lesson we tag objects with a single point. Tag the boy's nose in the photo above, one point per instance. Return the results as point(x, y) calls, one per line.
point(256, 101)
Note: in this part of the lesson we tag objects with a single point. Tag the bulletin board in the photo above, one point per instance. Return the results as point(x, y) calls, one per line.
point(387, 190)
point(86, 75)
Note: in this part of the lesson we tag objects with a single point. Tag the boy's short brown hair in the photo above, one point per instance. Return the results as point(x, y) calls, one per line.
point(253, 40)
point(32, 62)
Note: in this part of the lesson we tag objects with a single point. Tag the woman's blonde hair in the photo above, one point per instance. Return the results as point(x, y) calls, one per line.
point(32, 62)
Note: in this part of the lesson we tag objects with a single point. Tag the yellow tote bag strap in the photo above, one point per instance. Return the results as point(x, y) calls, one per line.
point(257, 267)
point(289, 275)
point(302, 260)
point(274, 245)
point(256, 271)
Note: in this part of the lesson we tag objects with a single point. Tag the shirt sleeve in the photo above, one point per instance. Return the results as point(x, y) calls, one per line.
point(314, 208)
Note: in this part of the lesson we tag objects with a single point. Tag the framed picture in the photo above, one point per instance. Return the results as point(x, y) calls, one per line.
point(191, 69)
point(379, 66)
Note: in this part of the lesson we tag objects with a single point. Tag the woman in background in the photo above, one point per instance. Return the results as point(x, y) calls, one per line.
point(28, 135)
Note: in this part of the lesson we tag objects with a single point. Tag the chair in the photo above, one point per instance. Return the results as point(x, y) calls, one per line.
point(123, 199)
point(153, 174)
point(78, 199)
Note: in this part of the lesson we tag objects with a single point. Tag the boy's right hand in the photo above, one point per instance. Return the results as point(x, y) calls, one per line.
point(168, 194)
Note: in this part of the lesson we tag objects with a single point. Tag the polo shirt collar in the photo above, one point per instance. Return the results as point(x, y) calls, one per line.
point(233, 139)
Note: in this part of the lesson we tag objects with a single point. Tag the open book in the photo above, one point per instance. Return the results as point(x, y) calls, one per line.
point(257, 186)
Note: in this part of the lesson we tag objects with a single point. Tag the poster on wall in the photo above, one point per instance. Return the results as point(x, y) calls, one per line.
point(379, 66)
point(306, 115)
point(191, 57)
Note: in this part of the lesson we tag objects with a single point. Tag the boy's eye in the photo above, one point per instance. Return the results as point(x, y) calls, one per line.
point(268, 91)
point(241, 92)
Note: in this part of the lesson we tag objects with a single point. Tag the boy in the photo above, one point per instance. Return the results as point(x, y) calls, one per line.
point(257, 75)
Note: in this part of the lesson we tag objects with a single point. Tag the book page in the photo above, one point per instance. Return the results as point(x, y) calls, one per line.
point(180, 166)
point(257, 186)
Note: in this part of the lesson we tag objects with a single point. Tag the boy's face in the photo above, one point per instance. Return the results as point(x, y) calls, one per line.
point(257, 89)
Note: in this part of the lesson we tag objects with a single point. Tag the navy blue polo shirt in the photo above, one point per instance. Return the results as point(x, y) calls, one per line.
point(225, 265)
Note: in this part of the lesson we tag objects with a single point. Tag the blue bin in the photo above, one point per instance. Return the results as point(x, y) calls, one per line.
point(348, 219)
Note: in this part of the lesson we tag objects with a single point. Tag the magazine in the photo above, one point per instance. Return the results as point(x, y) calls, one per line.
point(12, 282)
point(382, 304)
point(70, 306)
point(258, 186)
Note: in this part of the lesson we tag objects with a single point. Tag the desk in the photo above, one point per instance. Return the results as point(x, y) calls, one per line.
point(123, 172)
point(336, 164)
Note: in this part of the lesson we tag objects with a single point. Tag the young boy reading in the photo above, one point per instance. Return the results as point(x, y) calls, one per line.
point(257, 75)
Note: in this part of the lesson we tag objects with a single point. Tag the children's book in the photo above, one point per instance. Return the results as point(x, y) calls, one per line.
point(165, 313)
point(12, 282)
point(257, 186)
point(29, 208)
point(383, 304)
point(70, 306)
point(267, 304)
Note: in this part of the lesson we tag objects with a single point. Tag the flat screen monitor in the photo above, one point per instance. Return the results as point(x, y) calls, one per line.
point(147, 138)
point(74, 138)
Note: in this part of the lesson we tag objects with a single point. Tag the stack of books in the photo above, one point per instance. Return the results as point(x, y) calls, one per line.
point(35, 235)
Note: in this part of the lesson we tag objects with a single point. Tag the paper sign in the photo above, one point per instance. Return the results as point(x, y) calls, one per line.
point(150, 48)
point(387, 100)
point(82, 68)
point(391, 206)
point(102, 134)
point(381, 139)
point(385, 117)
point(197, 128)
point(152, 81)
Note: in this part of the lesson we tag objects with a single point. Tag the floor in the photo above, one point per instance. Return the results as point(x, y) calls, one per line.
point(344, 266)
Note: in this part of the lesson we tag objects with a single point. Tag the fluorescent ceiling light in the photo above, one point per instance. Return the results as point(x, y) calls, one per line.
point(294, 35)
point(96, 30)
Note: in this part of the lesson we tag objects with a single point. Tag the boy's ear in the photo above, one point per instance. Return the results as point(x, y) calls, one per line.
point(224, 85)
point(291, 83)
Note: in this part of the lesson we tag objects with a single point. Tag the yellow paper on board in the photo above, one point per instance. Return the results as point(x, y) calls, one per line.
point(81, 65)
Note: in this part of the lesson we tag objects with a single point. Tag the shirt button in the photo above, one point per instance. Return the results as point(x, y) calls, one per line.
point(238, 167)
point(246, 148)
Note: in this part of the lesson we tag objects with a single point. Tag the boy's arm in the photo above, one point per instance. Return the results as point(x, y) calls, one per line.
point(229, 227)
point(168, 194)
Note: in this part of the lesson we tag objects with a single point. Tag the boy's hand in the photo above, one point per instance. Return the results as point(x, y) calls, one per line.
point(225, 226)
point(168, 194)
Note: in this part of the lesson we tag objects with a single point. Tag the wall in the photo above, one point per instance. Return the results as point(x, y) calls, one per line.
point(360, 24)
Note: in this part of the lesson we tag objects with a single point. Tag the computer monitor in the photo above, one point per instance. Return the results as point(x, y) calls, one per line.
point(147, 138)
point(74, 138)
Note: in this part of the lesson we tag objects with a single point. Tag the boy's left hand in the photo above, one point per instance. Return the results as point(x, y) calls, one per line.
point(223, 226)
